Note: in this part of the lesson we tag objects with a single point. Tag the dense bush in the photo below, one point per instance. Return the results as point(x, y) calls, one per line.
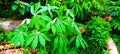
point(97, 34)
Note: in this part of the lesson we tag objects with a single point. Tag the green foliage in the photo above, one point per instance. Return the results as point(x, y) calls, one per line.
point(82, 9)
point(54, 25)
point(1, 37)
point(5, 37)
point(26, 51)
point(50, 29)
point(21, 6)
point(97, 34)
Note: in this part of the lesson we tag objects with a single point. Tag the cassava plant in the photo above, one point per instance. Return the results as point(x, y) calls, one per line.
point(51, 29)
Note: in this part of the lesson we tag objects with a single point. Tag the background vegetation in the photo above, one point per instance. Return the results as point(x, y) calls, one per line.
point(56, 25)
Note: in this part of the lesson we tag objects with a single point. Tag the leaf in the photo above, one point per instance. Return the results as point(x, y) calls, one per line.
point(70, 13)
point(85, 43)
point(14, 7)
point(45, 37)
point(58, 28)
point(12, 40)
point(66, 22)
point(32, 10)
point(61, 42)
point(29, 41)
point(21, 39)
point(35, 42)
point(51, 14)
point(47, 27)
point(37, 25)
point(53, 29)
point(78, 31)
point(77, 42)
point(22, 10)
point(45, 17)
point(55, 43)
point(16, 40)
point(44, 8)
point(71, 27)
point(40, 22)
point(37, 6)
point(82, 43)
point(32, 21)
point(71, 39)
point(41, 40)
point(62, 27)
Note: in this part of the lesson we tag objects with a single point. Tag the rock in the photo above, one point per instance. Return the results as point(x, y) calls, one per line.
point(9, 25)
point(111, 47)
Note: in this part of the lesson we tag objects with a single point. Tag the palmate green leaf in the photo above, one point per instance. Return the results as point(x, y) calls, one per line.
point(65, 43)
point(60, 50)
point(77, 42)
point(14, 7)
point(32, 21)
point(65, 49)
point(68, 12)
point(22, 10)
point(29, 41)
point(66, 22)
point(53, 29)
point(42, 50)
point(32, 10)
point(61, 42)
point(41, 40)
point(44, 17)
point(56, 43)
point(58, 28)
point(73, 8)
point(62, 27)
point(76, 12)
point(18, 38)
point(115, 26)
point(71, 27)
point(71, 39)
point(37, 23)
point(15, 39)
point(44, 8)
point(37, 6)
point(85, 43)
point(82, 42)
point(51, 14)
point(42, 22)
point(47, 27)
point(12, 39)
point(21, 39)
point(45, 37)
point(35, 42)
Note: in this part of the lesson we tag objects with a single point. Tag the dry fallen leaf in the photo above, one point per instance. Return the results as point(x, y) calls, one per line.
point(82, 29)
